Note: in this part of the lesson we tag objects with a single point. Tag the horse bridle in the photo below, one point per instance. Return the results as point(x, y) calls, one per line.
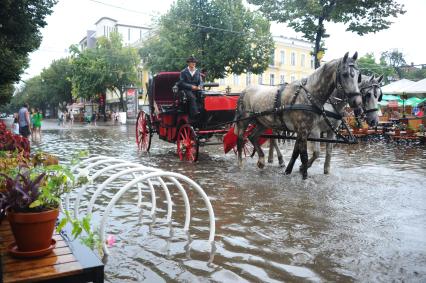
point(375, 86)
point(339, 81)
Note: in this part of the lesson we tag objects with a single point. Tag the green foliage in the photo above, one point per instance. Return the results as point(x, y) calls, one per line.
point(47, 90)
point(309, 16)
point(6, 92)
point(20, 24)
point(89, 238)
point(224, 35)
point(414, 74)
point(108, 66)
point(395, 59)
point(368, 66)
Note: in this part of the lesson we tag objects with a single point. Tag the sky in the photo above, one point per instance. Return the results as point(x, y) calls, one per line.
point(71, 19)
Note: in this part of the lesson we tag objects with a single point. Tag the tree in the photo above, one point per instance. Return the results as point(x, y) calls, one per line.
point(121, 64)
point(222, 34)
point(368, 66)
point(56, 84)
point(309, 16)
point(20, 24)
point(87, 73)
point(6, 92)
point(108, 66)
point(395, 59)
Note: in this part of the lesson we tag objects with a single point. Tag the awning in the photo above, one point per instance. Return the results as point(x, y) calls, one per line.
point(397, 87)
point(416, 88)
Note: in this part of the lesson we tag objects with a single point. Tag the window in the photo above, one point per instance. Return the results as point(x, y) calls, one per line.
point(272, 58)
point(128, 34)
point(293, 59)
point(248, 79)
point(271, 79)
point(236, 79)
point(293, 78)
point(260, 79)
point(282, 57)
point(282, 79)
point(302, 60)
point(104, 30)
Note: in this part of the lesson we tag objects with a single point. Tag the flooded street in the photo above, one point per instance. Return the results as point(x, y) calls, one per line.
point(364, 222)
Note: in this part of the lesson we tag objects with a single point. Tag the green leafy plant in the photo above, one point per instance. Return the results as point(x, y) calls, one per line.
point(34, 189)
point(90, 238)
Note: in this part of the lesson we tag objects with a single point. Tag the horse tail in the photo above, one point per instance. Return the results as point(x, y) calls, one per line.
point(239, 112)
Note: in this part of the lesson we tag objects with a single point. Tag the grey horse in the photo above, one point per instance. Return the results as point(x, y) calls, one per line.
point(371, 96)
point(313, 92)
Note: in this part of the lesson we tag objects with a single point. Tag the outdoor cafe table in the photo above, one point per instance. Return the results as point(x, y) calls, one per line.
point(70, 261)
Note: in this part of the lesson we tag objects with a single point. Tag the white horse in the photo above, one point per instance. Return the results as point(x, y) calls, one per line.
point(298, 106)
point(371, 96)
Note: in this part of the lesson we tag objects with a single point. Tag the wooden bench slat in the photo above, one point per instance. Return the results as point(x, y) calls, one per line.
point(43, 273)
point(55, 252)
point(78, 263)
point(37, 263)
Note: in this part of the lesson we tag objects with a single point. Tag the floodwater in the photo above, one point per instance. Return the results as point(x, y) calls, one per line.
point(365, 222)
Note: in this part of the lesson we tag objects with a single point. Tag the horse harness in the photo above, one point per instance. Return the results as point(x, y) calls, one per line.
point(375, 86)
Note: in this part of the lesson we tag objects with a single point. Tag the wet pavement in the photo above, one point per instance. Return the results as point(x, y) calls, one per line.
point(365, 222)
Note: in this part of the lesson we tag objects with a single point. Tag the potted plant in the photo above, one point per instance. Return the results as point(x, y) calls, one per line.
point(30, 200)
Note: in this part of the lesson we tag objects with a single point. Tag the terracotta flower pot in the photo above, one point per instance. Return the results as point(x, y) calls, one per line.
point(33, 231)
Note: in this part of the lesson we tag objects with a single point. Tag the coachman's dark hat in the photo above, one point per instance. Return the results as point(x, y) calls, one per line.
point(191, 59)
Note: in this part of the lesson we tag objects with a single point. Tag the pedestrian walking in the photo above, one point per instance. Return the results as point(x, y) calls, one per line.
point(71, 118)
point(36, 118)
point(15, 124)
point(94, 118)
point(24, 121)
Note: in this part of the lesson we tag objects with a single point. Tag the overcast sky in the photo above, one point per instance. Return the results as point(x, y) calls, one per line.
point(72, 18)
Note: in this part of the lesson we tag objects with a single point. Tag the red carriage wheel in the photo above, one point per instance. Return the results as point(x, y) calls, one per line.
point(143, 132)
point(248, 148)
point(187, 143)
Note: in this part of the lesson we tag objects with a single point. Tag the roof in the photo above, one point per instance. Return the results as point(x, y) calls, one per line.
point(416, 88)
point(396, 87)
point(133, 26)
point(105, 18)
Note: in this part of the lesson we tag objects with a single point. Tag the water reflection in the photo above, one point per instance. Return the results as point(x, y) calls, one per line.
point(366, 221)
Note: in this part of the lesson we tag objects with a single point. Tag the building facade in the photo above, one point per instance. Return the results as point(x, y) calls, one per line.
point(105, 26)
point(290, 61)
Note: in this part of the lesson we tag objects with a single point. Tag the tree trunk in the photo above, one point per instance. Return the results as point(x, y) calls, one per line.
point(318, 37)
point(122, 105)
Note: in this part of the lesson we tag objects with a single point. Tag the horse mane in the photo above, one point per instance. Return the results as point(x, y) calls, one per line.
point(316, 83)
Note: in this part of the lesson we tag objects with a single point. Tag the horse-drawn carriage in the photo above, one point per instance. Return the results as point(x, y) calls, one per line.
point(167, 115)
point(304, 108)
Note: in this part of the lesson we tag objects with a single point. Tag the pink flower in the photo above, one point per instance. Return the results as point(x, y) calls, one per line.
point(110, 241)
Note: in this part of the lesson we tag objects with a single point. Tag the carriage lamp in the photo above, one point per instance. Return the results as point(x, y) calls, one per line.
point(175, 89)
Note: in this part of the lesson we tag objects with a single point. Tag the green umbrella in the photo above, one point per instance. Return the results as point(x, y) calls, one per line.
point(414, 101)
point(390, 97)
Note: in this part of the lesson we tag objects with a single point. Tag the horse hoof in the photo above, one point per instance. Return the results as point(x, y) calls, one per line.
point(281, 165)
point(260, 165)
point(287, 172)
point(270, 161)
point(281, 162)
point(326, 172)
point(305, 176)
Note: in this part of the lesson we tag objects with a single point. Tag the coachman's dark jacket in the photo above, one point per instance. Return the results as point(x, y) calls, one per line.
point(186, 81)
